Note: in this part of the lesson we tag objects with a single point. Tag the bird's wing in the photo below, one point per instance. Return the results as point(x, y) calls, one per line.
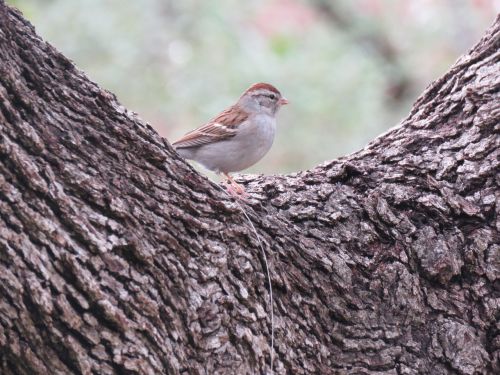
point(221, 127)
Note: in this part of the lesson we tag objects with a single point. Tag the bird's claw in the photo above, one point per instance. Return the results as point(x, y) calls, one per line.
point(235, 189)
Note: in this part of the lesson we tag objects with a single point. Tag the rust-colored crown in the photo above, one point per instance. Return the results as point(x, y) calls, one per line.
point(263, 86)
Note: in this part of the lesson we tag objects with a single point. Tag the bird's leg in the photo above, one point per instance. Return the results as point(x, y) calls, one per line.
point(233, 187)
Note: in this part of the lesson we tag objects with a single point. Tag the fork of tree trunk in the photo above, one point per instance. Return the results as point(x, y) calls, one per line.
point(116, 257)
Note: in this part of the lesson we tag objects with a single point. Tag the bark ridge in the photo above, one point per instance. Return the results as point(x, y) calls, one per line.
point(116, 257)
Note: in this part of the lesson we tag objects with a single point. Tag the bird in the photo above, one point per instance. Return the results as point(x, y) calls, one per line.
point(238, 137)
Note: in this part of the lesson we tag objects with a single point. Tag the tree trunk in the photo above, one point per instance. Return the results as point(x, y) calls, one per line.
point(116, 257)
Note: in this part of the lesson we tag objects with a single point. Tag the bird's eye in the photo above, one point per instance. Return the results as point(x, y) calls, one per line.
point(272, 96)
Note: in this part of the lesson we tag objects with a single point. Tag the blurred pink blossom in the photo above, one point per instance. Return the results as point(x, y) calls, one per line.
point(284, 16)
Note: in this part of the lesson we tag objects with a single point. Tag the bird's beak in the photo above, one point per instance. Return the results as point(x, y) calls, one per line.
point(283, 101)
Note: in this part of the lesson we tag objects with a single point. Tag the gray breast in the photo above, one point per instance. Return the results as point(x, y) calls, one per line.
point(253, 141)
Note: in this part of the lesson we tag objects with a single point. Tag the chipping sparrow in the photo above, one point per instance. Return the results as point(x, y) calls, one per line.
point(238, 137)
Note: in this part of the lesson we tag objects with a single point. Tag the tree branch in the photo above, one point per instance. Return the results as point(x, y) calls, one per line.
point(117, 257)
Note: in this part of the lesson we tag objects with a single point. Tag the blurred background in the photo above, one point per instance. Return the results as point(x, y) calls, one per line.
point(350, 68)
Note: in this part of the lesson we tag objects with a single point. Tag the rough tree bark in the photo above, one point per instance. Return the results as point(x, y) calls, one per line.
point(116, 257)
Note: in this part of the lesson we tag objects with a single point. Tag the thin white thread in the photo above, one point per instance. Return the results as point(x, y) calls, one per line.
point(267, 271)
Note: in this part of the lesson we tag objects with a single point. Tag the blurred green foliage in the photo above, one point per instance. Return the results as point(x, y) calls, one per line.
point(351, 69)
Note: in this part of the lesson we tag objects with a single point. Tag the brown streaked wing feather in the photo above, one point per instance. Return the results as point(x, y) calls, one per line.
point(219, 128)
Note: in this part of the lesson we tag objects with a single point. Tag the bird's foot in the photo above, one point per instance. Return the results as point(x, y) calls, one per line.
point(235, 189)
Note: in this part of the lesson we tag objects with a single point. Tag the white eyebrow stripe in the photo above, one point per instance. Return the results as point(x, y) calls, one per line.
point(264, 92)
